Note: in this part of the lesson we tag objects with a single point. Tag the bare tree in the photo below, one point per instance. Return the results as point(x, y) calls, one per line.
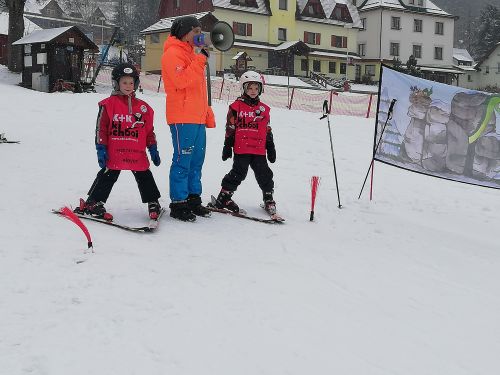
point(16, 31)
point(86, 8)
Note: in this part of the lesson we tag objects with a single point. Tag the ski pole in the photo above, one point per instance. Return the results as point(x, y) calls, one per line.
point(389, 116)
point(326, 114)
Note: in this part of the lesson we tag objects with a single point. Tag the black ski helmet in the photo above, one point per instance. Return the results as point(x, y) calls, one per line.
point(123, 70)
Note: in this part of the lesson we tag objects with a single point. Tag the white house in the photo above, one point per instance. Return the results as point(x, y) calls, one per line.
point(488, 73)
point(464, 61)
point(401, 28)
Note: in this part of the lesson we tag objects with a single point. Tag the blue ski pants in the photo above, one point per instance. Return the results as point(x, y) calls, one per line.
point(189, 141)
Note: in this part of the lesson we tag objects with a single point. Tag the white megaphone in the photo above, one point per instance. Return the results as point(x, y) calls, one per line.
point(221, 37)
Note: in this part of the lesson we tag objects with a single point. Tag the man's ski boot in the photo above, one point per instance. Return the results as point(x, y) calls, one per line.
point(269, 203)
point(94, 209)
point(194, 204)
point(224, 201)
point(154, 210)
point(180, 210)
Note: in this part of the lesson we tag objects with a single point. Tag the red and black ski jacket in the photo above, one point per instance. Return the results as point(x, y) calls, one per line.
point(247, 126)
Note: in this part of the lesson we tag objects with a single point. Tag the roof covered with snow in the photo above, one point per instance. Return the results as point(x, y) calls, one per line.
point(34, 6)
point(29, 26)
point(166, 23)
point(328, 7)
point(42, 36)
point(462, 55)
point(430, 7)
point(261, 6)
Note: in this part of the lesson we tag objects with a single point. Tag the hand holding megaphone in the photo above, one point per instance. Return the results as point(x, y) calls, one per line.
point(221, 37)
point(199, 41)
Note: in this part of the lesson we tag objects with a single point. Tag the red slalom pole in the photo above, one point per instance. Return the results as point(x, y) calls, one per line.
point(314, 190)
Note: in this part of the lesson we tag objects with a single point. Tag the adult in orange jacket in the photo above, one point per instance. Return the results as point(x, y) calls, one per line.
point(188, 114)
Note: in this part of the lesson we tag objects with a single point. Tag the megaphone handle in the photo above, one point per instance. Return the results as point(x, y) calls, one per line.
point(209, 88)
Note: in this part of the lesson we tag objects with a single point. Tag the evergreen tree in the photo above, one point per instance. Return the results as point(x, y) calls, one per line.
point(489, 31)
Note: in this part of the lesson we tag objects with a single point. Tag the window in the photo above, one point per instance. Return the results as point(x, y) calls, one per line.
point(420, 3)
point(486, 70)
point(396, 23)
point(417, 26)
point(177, 3)
point(332, 67)
point(361, 49)
point(243, 29)
point(498, 68)
point(343, 68)
point(370, 70)
point(155, 38)
point(283, 5)
point(394, 49)
point(438, 53)
point(417, 51)
point(339, 41)
point(313, 10)
point(317, 65)
point(469, 78)
point(412, 2)
point(304, 65)
point(363, 24)
point(439, 28)
point(312, 38)
point(245, 3)
point(281, 34)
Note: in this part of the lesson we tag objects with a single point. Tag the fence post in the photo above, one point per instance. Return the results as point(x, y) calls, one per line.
point(291, 98)
point(221, 87)
point(369, 106)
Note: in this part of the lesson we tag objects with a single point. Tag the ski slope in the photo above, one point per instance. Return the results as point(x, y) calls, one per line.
point(407, 284)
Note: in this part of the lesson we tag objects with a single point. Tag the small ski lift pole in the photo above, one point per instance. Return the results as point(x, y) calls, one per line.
point(389, 116)
point(326, 113)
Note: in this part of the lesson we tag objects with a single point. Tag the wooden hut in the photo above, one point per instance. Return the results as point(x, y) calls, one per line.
point(53, 57)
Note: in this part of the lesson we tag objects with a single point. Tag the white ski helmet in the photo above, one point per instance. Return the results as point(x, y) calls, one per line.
point(250, 76)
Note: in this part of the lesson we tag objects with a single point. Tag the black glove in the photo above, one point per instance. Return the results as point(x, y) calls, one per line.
point(271, 150)
point(271, 154)
point(227, 152)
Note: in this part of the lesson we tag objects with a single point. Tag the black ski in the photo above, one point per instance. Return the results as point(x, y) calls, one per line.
point(242, 214)
point(4, 140)
point(151, 227)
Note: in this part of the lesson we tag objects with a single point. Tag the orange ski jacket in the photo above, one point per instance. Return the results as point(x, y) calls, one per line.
point(183, 74)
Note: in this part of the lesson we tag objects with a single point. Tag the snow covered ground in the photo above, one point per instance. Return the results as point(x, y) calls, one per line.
point(407, 284)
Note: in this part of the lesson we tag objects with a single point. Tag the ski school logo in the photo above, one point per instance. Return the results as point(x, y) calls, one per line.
point(262, 109)
point(144, 109)
point(128, 70)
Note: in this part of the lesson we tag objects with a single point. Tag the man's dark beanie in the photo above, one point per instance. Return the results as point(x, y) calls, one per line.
point(183, 25)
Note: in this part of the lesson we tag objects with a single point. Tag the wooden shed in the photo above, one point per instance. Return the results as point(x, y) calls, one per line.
point(54, 55)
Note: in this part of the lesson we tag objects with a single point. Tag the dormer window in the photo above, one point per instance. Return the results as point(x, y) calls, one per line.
point(314, 9)
point(341, 13)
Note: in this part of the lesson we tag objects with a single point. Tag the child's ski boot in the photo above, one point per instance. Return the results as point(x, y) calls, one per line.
point(94, 209)
point(154, 210)
point(224, 201)
point(269, 203)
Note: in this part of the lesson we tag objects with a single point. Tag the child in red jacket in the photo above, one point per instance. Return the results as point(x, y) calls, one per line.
point(123, 131)
point(249, 134)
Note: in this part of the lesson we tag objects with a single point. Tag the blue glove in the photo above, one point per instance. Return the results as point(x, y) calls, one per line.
point(102, 155)
point(155, 156)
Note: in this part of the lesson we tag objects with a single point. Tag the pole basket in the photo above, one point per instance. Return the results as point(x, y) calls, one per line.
point(314, 190)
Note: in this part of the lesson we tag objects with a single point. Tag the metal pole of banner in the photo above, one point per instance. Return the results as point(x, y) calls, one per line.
point(389, 116)
point(326, 113)
point(209, 86)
